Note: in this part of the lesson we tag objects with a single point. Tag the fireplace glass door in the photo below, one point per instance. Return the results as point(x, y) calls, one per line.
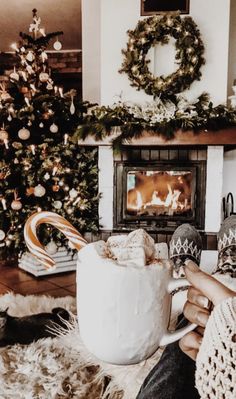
point(159, 195)
point(160, 192)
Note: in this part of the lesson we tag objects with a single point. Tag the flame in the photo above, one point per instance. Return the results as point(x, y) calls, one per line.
point(169, 204)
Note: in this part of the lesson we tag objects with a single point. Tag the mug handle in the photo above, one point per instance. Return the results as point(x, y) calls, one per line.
point(170, 337)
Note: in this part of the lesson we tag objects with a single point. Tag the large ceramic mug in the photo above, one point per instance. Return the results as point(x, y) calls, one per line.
point(123, 312)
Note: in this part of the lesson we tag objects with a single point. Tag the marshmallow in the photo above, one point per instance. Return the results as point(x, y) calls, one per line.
point(94, 252)
point(140, 238)
point(132, 257)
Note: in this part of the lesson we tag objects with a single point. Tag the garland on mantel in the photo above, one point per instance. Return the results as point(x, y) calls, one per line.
point(160, 118)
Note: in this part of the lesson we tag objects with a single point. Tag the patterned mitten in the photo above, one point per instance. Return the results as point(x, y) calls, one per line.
point(186, 243)
point(227, 247)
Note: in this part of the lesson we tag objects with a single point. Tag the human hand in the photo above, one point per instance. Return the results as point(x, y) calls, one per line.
point(205, 292)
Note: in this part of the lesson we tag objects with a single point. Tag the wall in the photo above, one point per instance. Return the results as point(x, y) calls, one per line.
point(91, 42)
point(212, 18)
point(56, 15)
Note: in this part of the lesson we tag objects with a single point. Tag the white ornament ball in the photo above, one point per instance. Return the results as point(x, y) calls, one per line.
point(14, 76)
point(16, 205)
point(57, 45)
point(3, 135)
point(47, 176)
point(73, 193)
point(57, 204)
point(30, 56)
point(39, 191)
point(51, 248)
point(2, 235)
point(54, 128)
point(24, 134)
point(41, 125)
point(43, 77)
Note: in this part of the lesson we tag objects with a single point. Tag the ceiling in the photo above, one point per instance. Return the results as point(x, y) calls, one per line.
point(56, 15)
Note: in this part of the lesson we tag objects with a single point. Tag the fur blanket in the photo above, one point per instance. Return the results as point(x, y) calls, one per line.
point(62, 368)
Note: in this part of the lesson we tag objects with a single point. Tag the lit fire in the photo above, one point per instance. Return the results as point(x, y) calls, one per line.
point(160, 194)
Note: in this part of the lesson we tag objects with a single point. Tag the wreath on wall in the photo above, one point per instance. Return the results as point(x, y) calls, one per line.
point(157, 30)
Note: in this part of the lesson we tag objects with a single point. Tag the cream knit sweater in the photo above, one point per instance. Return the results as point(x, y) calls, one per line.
point(216, 360)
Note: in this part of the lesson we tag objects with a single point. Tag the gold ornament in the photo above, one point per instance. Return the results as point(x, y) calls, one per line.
point(55, 188)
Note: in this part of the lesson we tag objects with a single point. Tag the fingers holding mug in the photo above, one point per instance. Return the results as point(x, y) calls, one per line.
point(190, 344)
point(196, 314)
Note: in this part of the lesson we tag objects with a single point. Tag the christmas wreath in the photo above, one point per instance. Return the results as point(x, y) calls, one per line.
point(189, 54)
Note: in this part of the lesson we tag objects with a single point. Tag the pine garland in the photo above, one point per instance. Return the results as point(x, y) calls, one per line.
point(156, 30)
point(159, 118)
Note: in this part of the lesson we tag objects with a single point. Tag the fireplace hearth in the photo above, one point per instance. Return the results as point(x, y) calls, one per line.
point(158, 195)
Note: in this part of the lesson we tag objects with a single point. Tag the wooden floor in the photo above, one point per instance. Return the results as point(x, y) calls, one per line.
point(13, 279)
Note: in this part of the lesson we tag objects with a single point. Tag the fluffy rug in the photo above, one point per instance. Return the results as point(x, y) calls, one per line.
point(62, 367)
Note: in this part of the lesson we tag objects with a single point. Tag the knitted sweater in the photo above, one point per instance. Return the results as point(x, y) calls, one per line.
point(216, 360)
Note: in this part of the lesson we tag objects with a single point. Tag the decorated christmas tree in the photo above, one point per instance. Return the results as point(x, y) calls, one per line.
point(40, 166)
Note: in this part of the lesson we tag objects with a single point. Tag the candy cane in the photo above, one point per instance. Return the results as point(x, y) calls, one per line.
point(31, 239)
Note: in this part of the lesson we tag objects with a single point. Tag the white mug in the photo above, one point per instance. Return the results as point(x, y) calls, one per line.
point(123, 312)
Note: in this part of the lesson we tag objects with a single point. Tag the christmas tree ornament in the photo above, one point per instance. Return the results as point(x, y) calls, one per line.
point(4, 203)
point(51, 248)
point(57, 45)
point(57, 204)
point(73, 193)
point(30, 191)
point(24, 134)
point(14, 75)
point(43, 77)
point(53, 128)
point(39, 191)
point(49, 86)
point(3, 134)
point(24, 89)
point(2, 235)
point(9, 118)
point(16, 205)
point(69, 210)
point(66, 188)
point(44, 56)
point(29, 123)
point(66, 136)
point(61, 183)
point(30, 56)
point(41, 125)
point(47, 176)
point(55, 188)
point(72, 106)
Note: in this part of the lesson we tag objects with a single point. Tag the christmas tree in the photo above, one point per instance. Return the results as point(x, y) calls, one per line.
point(40, 166)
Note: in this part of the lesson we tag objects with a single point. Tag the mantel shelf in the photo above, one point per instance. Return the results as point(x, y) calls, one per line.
point(225, 137)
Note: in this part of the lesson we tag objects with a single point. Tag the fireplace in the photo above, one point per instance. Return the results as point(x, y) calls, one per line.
point(159, 194)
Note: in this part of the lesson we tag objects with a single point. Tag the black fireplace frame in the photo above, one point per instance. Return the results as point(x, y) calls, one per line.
point(125, 222)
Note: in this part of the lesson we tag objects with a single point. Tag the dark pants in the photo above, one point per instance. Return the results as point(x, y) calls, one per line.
point(172, 378)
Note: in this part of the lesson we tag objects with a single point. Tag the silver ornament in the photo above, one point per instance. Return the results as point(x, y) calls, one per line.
point(24, 134)
point(2, 235)
point(39, 191)
point(54, 128)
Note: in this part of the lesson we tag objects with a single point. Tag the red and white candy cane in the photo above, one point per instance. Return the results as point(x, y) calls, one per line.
point(34, 245)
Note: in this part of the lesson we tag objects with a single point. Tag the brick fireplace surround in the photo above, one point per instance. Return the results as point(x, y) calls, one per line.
point(187, 146)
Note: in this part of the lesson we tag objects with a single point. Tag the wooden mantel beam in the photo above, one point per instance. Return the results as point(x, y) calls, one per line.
point(226, 137)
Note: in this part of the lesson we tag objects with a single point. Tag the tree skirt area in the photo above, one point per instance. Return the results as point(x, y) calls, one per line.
point(62, 367)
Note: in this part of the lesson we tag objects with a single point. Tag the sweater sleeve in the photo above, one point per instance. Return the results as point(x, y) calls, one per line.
point(216, 360)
